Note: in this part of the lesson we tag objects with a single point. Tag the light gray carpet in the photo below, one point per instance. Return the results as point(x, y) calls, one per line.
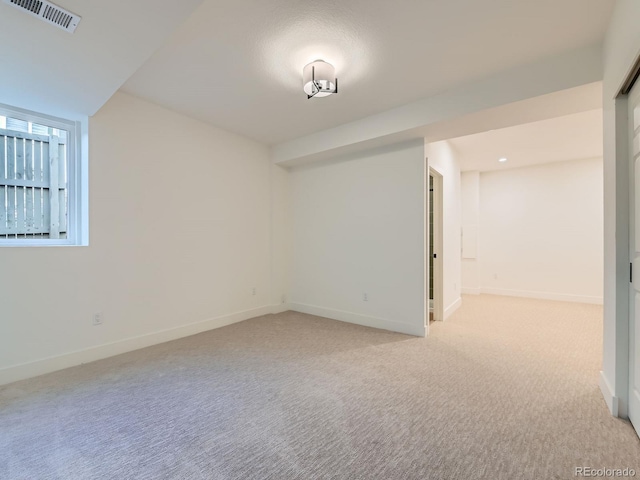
point(505, 389)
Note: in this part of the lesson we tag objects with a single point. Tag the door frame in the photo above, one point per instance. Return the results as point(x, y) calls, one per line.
point(627, 100)
point(438, 246)
point(618, 305)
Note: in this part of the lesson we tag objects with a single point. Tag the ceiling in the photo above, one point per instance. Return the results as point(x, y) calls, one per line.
point(51, 71)
point(570, 137)
point(238, 64)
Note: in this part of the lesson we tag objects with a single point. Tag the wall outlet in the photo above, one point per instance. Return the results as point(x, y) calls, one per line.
point(97, 319)
point(253, 291)
point(495, 276)
point(365, 297)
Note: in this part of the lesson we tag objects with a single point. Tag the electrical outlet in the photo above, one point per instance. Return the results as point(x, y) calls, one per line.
point(253, 291)
point(365, 297)
point(97, 319)
point(495, 276)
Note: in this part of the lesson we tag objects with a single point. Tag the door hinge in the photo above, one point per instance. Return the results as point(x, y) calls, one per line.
point(631, 273)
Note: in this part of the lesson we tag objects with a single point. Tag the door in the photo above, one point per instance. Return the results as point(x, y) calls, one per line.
point(634, 323)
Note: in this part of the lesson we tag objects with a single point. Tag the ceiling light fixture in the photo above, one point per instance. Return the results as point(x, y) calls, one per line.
point(502, 160)
point(319, 79)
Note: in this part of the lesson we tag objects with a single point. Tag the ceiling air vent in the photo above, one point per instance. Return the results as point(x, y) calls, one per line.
point(48, 12)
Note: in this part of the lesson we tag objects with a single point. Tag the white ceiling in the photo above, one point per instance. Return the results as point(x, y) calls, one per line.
point(51, 71)
point(238, 64)
point(570, 137)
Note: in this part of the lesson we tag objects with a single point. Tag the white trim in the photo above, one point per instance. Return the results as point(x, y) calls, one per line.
point(280, 308)
point(563, 297)
point(77, 182)
point(471, 291)
point(425, 243)
point(607, 392)
point(439, 313)
point(78, 357)
point(452, 308)
point(417, 330)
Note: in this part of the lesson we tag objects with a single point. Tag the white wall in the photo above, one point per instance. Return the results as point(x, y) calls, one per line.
point(470, 203)
point(180, 228)
point(443, 158)
point(358, 227)
point(540, 231)
point(621, 49)
point(281, 237)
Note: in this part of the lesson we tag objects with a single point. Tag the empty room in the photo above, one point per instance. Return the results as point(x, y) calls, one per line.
point(301, 240)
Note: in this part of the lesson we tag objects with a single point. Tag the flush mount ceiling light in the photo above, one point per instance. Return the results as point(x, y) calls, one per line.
point(319, 79)
point(502, 160)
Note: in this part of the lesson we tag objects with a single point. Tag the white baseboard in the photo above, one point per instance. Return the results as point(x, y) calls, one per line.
point(78, 357)
point(417, 330)
point(610, 399)
point(280, 308)
point(452, 308)
point(544, 295)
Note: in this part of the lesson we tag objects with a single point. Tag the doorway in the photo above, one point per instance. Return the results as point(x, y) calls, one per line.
point(435, 253)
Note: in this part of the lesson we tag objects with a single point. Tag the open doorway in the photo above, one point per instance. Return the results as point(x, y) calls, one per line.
point(435, 247)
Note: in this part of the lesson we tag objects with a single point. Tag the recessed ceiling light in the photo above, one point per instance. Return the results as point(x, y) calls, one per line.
point(502, 160)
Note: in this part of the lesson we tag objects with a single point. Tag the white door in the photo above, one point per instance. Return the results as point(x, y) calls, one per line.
point(634, 323)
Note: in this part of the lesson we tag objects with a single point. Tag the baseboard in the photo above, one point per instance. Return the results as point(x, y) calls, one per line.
point(452, 308)
point(544, 295)
point(280, 308)
point(471, 291)
point(610, 399)
point(72, 359)
point(417, 330)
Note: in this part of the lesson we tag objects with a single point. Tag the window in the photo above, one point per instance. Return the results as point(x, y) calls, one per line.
point(41, 195)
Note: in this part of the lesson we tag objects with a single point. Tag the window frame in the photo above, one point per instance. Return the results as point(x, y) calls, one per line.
point(77, 163)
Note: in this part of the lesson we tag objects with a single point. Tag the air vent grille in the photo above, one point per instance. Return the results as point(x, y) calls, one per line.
point(57, 16)
point(48, 12)
point(33, 6)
